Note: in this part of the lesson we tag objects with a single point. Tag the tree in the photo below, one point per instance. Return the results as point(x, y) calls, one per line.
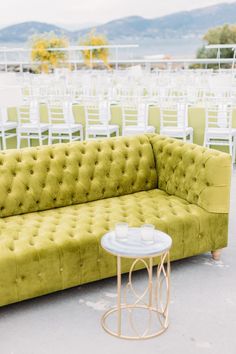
point(219, 35)
point(93, 39)
point(44, 51)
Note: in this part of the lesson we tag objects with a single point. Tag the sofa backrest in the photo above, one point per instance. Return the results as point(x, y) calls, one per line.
point(47, 177)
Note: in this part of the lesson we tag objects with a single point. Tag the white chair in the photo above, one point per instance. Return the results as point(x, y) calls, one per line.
point(29, 125)
point(7, 129)
point(62, 125)
point(97, 116)
point(218, 127)
point(135, 119)
point(174, 121)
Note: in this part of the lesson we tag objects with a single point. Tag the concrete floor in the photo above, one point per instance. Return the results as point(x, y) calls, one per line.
point(202, 313)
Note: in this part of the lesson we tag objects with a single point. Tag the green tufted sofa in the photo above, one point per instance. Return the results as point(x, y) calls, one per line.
point(57, 201)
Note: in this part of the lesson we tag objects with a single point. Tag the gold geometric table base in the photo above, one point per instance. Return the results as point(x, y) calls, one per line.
point(150, 300)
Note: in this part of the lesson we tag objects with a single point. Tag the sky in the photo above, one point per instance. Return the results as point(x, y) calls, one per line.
point(81, 12)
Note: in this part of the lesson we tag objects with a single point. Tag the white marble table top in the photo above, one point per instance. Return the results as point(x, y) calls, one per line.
point(134, 246)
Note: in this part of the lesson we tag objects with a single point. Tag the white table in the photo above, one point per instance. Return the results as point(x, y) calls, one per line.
point(151, 299)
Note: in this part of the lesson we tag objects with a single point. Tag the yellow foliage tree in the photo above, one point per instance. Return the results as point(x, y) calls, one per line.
point(93, 39)
point(44, 51)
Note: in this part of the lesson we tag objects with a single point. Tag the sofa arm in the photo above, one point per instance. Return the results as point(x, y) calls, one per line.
point(200, 176)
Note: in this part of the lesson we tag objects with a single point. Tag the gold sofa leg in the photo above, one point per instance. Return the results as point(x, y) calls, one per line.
point(216, 255)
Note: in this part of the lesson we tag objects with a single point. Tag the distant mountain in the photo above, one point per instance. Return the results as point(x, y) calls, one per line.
point(23, 31)
point(178, 25)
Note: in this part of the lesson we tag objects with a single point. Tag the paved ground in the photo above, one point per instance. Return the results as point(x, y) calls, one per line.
point(202, 313)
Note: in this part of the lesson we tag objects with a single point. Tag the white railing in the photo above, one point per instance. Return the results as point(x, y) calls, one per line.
point(23, 62)
point(25, 65)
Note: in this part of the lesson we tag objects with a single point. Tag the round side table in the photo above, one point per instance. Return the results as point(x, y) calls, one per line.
point(154, 299)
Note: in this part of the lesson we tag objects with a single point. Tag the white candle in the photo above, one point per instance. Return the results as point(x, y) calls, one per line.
point(147, 233)
point(121, 231)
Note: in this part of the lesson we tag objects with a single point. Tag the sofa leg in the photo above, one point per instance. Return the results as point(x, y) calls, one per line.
point(216, 255)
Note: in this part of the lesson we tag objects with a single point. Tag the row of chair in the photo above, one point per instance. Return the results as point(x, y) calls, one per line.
point(61, 125)
point(196, 86)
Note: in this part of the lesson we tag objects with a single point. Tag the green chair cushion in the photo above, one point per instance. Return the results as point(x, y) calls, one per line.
point(59, 248)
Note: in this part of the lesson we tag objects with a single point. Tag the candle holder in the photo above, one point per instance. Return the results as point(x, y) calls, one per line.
point(121, 231)
point(147, 233)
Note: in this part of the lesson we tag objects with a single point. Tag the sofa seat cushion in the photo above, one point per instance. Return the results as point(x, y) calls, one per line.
point(50, 250)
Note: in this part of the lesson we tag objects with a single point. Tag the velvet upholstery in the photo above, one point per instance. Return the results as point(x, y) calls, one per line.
point(196, 174)
point(34, 179)
point(53, 219)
